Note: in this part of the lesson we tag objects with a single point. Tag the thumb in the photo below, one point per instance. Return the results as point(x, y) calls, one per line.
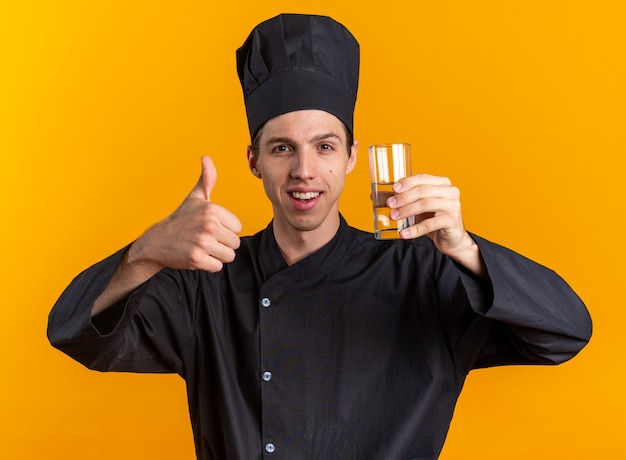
point(207, 181)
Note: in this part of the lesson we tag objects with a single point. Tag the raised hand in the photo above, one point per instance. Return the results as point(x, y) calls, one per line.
point(198, 235)
point(435, 203)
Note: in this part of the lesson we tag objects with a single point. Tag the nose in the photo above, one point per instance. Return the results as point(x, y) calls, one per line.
point(304, 165)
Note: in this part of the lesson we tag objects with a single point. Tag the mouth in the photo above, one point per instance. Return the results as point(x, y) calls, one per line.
point(304, 196)
point(304, 201)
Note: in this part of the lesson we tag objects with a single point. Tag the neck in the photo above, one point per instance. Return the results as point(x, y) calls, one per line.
point(295, 244)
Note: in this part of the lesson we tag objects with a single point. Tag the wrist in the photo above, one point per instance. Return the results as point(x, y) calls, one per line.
point(468, 255)
point(140, 256)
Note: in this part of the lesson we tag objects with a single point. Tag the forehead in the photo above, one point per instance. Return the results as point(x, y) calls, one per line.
point(303, 125)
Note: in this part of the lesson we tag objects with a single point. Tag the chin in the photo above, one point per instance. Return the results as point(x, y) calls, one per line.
point(305, 225)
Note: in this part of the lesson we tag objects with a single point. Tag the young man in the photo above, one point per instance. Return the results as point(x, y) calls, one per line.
point(311, 339)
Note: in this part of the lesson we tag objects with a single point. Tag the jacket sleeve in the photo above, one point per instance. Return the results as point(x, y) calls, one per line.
point(528, 315)
point(150, 331)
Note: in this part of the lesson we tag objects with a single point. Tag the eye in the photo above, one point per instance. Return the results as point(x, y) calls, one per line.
point(326, 147)
point(281, 148)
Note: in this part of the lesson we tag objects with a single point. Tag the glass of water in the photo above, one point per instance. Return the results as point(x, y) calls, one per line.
point(388, 164)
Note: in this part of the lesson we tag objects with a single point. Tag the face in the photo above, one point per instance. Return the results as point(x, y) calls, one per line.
point(303, 161)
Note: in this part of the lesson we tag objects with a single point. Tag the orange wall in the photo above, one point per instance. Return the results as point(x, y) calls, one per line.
point(106, 107)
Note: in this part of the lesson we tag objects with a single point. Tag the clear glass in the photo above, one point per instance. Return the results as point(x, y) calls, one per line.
point(388, 164)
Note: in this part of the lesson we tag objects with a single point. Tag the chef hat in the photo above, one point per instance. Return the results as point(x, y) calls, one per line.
point(296, 62)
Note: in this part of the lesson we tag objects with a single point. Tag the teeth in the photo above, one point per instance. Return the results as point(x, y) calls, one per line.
point(305, 196)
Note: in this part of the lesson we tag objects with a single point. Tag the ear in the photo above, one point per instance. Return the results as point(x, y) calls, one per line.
point(352, 158)
point(252, 163)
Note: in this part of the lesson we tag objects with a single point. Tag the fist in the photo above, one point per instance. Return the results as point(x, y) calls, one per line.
point(199, 235)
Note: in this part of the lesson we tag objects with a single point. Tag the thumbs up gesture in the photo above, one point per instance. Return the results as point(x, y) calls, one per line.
point(199, 235)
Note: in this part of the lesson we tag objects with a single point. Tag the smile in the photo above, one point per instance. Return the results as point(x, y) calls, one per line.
point(304, 195)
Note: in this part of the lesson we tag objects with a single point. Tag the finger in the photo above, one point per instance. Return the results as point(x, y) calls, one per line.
point(427, 206)
point(230, 221)
point(222, 252)
point(208, 263)
point(423, 191)
point(427, 226)
point(212, 251)
point(227, 238)
point(417, 179)
point(207, 180)
point(218, 220)
point(220, 233)
point(216, 253)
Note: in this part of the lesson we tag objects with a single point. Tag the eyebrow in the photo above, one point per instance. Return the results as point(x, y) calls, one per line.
point(279, 140)
point(325, 136)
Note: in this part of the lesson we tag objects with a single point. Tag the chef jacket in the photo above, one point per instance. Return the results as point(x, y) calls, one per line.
point(358, 351)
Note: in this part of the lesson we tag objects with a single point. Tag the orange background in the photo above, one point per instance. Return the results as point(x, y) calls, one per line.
point(106, 107)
